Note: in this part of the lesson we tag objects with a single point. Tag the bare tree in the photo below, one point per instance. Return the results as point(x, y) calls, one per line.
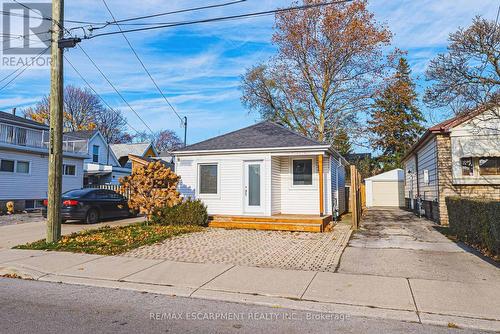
point(112, 125)
point(80, 109)
point(468, 75)
point(328, 64)
point(163, 140)
point(84, 111)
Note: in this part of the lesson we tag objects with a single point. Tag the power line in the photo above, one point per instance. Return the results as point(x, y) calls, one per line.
point(104, 24)
point(94, 91)
point(22, 71)
point(115, 89)
point(97, 67)
point(120, 22)
point(222, 18)
point(41, 17)
point(142, 63)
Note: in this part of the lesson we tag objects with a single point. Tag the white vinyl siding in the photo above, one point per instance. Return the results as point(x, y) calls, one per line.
point(280, 194)
point(427, 164)
point(33, 185)
point(230, 199)
point(275, 185)
point(298, 199)
point(105, 157)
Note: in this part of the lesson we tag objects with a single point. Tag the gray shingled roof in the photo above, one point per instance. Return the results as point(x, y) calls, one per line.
point(123, 150)
point(9, 118)
point(266, 134)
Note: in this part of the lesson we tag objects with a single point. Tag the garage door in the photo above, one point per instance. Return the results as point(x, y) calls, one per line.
point(387, 193)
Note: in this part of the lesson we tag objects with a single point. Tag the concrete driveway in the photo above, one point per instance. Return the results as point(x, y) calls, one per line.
point(394, 242)
point(17, 234)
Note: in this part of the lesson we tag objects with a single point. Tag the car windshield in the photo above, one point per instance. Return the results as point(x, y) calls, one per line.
point(76, 193)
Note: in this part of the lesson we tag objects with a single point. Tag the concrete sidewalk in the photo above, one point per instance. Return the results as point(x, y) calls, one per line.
point(465, 304)
point(13, 235)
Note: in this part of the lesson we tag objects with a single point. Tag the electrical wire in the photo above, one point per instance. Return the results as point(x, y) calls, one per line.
point(95, 65)
point(94, 91)
point(222, 18)
point(121, 22)
point(114, 88)
point(23, 69)
point(142, 64)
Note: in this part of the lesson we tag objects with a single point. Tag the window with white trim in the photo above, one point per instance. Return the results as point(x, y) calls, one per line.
point(23, 167)
point(208, 179)
point(302, 172)
point(69, 170)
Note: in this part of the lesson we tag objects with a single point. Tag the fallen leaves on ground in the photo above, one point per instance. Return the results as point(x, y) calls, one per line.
point(113, 240)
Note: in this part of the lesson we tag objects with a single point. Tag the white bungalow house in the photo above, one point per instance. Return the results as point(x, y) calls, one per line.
point(264, 176)
point(24, 162)
point(102, 165)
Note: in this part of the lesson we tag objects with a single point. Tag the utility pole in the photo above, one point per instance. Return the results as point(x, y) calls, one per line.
point(56, 125)
point(185, 130)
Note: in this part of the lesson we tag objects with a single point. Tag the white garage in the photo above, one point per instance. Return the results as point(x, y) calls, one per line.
point(386, 189)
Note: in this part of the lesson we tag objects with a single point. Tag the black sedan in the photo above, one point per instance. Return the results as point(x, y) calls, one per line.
point(92, 205)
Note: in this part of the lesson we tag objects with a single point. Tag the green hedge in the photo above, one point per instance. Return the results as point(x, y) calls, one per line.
point(475, 221)
point(188, 212)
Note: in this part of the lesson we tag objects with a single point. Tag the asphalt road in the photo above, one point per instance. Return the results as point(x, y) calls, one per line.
point(41, 307)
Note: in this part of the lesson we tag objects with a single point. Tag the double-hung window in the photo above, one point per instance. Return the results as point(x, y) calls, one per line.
point(208, 179)
point(302, 172)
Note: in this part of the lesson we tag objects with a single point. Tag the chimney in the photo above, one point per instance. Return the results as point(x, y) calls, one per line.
point(14, 111)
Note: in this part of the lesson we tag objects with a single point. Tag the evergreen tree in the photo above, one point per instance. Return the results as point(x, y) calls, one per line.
point(341, 142)
point(396, 121)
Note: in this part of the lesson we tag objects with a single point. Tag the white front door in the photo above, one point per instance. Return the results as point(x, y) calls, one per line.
point(253, 187)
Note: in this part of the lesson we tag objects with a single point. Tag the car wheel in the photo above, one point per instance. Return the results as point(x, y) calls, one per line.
point(92, 216)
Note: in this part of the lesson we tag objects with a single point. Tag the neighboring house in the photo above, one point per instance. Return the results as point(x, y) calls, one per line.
point(122, 152)
point(264, 170)
point(144, 161)
point(386, 189)
point(101, 166)
point(24, 163)
point(460, 156)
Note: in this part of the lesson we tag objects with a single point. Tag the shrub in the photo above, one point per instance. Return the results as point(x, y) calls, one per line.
point(475, 221)
point(151, 187)
point(188, 212)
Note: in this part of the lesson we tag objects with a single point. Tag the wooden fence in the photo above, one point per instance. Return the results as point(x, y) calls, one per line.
point(356, 197)
point(114, 187)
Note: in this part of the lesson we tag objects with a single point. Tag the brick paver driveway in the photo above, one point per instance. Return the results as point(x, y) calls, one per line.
point(271, 249)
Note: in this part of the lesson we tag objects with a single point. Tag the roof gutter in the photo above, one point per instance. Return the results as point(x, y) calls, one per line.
point(317, 148)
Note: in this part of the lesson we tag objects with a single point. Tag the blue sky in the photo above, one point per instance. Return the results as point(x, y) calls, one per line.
point(199, 67)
